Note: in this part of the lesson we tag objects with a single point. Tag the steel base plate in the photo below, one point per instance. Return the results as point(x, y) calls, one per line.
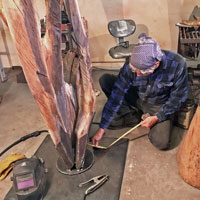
point(88, 162)
point(59, 186)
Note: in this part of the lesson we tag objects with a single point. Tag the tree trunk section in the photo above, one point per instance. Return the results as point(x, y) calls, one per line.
point(188, 156)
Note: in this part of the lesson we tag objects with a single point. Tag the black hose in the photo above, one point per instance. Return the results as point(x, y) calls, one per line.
point(34, 134)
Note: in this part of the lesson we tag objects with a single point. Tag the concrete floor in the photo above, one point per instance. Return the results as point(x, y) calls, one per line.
point(149, 174)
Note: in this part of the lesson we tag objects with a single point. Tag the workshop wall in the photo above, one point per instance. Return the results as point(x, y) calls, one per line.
point(8, 52)
point(156, 18)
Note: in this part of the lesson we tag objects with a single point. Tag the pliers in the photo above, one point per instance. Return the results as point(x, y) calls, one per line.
point(98, 180)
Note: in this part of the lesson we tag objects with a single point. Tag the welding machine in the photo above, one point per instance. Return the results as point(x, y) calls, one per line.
point(29, 179)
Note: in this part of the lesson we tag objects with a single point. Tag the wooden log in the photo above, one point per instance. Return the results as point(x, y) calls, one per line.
point(41, 62)
point(188, 156)
point(85, 91)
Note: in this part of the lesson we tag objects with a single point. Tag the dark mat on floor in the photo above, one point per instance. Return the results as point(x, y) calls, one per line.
point(110, 162)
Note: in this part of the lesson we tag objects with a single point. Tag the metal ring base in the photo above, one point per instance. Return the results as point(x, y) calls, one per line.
point(88, 162)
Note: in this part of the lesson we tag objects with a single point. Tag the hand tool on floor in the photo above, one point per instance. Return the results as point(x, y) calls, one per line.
point(98, 182)
point(144, 116)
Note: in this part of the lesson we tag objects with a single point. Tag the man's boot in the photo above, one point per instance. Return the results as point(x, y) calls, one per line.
point(127, 116)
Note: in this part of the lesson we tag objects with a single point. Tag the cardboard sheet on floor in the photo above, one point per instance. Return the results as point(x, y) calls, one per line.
point(110, 162)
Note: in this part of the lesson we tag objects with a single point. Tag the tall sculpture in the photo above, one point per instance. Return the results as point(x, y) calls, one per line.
point(67, 108)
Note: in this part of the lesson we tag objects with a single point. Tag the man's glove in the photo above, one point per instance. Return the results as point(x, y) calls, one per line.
point(7, 164)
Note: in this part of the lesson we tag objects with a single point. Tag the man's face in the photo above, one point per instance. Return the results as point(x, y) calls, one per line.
point(144, 72)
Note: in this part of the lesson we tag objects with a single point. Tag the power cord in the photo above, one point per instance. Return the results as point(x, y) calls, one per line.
point(34, 134)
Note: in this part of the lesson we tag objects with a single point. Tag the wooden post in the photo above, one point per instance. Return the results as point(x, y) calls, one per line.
point(188, 156)
point(84, 83)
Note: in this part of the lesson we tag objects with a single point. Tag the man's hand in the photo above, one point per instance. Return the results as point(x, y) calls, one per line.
point(97, 137)
point(149, 121)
